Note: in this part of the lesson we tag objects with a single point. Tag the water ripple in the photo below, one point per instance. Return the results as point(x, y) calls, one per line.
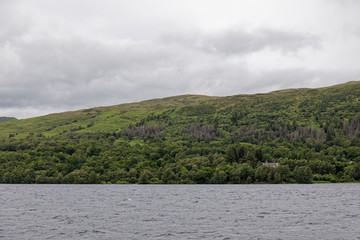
point(329, 211)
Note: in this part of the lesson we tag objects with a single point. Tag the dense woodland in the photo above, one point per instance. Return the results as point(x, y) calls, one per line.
point(314, 135)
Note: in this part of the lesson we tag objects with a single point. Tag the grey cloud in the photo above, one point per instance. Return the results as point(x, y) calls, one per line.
point(239, 42)
point(242, 81)
point(45, 70)
point(76, 72)
point(344, 3)
point(352, 30)
point(236, 41)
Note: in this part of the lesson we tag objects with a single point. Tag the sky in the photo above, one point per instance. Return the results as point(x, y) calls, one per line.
point(67, 55)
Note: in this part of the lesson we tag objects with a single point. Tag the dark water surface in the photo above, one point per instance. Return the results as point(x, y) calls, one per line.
point(325, 211)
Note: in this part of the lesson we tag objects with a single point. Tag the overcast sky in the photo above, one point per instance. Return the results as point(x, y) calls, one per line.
point(66, 55)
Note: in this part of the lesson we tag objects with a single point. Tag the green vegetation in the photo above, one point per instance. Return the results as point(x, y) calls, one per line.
point(314, 135)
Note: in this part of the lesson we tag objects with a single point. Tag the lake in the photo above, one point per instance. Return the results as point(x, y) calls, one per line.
point(318, 211)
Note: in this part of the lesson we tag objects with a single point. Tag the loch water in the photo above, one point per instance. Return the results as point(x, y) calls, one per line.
point(292, 211)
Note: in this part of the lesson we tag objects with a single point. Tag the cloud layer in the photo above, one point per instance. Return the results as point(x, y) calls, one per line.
point(51, 66)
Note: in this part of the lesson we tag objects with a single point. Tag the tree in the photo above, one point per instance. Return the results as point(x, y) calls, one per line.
point(277, 177)
point(283, 172)
point(303, 174)
point(204, 175)
point(262, 173)
point(259, 155)
point(241, 173)
point(145, 177)
point(219, 176)
point(168, 176)
point(353, 171)
point(236, 153)
point(321, 167)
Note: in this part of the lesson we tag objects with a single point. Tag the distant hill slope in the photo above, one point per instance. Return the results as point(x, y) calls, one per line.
point(2, 119)
point(309, 134)
point(306, 106)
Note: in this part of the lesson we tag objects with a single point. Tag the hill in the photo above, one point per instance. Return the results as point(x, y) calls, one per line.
point(2, 119)
point(312, 133)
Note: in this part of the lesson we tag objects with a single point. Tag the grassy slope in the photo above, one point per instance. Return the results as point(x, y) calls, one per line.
point(96, 119)
point(309, 107)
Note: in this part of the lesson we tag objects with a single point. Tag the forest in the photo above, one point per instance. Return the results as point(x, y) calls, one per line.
point(287, 136)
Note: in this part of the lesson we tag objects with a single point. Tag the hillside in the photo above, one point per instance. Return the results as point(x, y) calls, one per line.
point(312, 133)
point(2, 119)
